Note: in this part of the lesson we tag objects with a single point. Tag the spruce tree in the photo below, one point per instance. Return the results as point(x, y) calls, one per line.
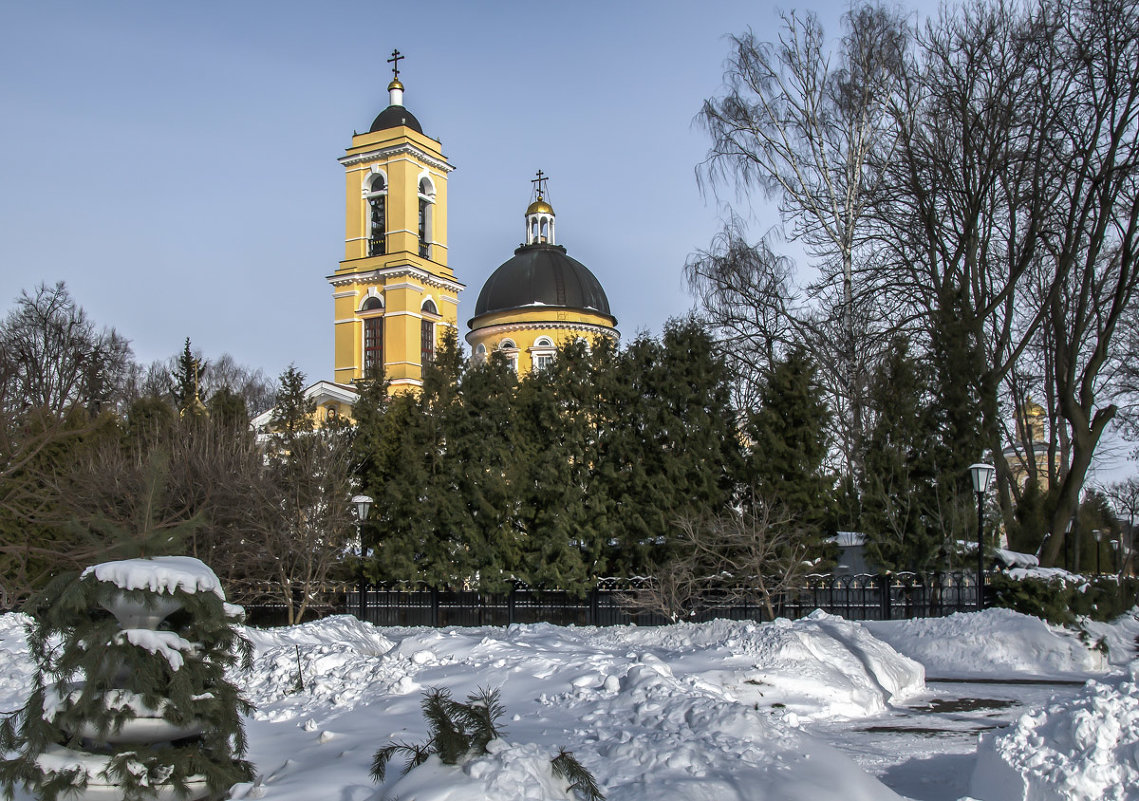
point(785, 462)
point(674, 448)
point(164, 655)
point(481, 446)
point(293, 413)
point(186, 381)
point(557, 539)
point(899, 485)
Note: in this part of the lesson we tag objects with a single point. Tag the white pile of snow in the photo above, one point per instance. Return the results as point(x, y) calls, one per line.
point(162, 574)
point(1084, 750)
point(995, 643)
point(1015, 558)
point(690, 711)
point(699, 712)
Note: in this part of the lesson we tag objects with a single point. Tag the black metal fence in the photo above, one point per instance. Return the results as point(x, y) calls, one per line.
point(858, 597)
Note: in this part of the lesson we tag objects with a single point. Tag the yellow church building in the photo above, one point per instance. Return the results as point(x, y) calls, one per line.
point(539, 300)
point(394, 294)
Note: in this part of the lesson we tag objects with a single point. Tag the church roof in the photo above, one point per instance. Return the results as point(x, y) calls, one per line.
point(541, 274)
point(394, 116)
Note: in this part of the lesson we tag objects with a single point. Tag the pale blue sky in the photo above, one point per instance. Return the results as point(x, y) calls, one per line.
point(175, 163)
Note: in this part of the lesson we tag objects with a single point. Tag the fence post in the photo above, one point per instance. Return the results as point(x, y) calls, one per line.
point(884, 595)
point(510, 605)
point(594, 603)
point(435, 607)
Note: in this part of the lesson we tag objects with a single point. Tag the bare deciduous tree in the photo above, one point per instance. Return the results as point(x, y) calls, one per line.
point(751, 555)
point(806, 132)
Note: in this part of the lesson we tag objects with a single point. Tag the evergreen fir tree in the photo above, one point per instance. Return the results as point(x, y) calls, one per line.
point(674, 448)
point(557, 531)
point(481, 446)
point(96, 674)
point(228, 412)
point(900, 477)
point(186, 381)
point(785, 463)
point(293, 413)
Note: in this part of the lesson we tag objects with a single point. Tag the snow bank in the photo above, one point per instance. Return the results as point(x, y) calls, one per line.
point(1084, 750)
point(995, 643)
point(162, 574)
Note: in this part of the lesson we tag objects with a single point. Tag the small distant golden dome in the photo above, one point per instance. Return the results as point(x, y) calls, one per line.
point(395, 84)
point(539, 206)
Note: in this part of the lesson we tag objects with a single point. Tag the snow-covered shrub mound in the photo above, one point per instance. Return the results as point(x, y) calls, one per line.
point(337, 630)
point(338, 661)
point(1084, 750)
point(995, 642)
point(824, 665)
point(507, 773)
point(1120, 635)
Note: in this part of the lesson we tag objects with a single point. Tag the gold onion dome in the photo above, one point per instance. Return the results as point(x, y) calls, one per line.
point(395, 84)
point(539, 206)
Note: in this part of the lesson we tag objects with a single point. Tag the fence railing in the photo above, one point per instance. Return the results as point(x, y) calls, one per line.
point(856, 597)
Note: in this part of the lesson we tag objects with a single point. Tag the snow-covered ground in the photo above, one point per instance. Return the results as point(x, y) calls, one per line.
point(725, 710)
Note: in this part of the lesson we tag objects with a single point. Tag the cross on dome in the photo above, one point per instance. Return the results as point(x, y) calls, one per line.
point(394, 61)
point(541, 179)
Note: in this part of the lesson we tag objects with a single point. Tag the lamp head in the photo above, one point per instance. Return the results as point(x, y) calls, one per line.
point(982, 475)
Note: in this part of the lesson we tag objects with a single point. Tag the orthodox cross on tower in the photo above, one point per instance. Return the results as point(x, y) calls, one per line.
point(394, 61)
point(541, 179)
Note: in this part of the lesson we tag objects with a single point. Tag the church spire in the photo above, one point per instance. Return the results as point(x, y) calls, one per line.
point(540, 216)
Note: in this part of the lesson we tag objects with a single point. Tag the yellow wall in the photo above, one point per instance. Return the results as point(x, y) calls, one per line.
point(401, 278)
point(525, 327)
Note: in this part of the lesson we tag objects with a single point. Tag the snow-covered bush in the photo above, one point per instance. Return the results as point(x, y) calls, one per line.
point(461, 732)
point(1064, 602)
point(130, 690)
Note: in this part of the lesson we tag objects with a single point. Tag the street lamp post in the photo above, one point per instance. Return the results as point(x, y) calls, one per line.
point(363, 504)
point(1098, 536)
point(982, 475)
point(1069, 535)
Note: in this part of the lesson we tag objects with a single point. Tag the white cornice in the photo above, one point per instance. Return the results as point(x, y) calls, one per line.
point(504, 328)
point(382, 153)
point(379, 276)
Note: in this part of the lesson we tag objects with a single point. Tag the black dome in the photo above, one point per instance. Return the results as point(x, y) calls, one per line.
point(393, 117)
point(542, 275)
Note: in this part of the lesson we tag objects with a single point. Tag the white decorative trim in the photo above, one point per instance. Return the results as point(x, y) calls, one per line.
point(424, 175)
point(342, 322)
point(395, 150)
point(395, 271)
point(404, 285)
point(365, 184)
point(504, 328)
point(350, 294)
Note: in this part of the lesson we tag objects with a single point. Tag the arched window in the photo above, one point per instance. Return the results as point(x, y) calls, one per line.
point(377, 205)
point(426, 199)
point(373, 337)
point(427, 332)
point(542, 354)
point(510, 351)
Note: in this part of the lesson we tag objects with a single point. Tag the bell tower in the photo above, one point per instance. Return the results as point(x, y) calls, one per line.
point(393, 294)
